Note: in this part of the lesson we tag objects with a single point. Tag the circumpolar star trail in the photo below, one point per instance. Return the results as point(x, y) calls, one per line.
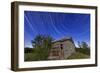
point(57, 25)
point(53, 26)
point(29, 23)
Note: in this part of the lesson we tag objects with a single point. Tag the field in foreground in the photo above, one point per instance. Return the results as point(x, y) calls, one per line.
point(78, 55)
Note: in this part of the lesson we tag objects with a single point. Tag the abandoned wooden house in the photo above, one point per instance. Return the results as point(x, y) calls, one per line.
point(62, 49)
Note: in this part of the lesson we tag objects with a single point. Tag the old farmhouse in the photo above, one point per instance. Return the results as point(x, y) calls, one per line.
point(62, 49)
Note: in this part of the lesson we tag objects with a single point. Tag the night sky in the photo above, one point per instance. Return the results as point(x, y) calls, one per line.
point(57, 25)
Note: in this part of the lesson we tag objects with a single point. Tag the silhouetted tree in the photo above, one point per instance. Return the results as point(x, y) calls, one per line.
point(79, 44)
point(83, 48)
point(38, 41)
point(42, 45)
point(84, 45)
point(28, 50)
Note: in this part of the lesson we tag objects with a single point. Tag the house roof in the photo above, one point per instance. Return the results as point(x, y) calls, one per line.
point(62, 39)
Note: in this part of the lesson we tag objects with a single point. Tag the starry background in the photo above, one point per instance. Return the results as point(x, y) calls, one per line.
point(57, 25)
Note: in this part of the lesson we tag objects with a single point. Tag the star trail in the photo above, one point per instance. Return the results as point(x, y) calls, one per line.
point(57, 25)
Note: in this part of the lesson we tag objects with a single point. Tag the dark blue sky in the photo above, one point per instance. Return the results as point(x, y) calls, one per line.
point(57, 25)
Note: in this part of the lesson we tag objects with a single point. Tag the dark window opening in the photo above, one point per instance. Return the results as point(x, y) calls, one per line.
point(61, 46)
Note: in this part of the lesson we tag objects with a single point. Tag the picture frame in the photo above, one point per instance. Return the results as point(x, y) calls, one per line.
point(19, 27)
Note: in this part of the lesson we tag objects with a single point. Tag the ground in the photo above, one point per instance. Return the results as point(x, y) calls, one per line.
point(29, 57)
point(79, 54)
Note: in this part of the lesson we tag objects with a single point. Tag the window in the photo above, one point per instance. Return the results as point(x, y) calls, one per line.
point(61, 46)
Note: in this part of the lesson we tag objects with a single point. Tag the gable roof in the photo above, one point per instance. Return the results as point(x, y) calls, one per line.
point(63, 39)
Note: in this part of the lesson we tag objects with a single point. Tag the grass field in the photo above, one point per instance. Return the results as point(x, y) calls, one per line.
point(32, 57)
point(29, 56)
point(78, 55)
